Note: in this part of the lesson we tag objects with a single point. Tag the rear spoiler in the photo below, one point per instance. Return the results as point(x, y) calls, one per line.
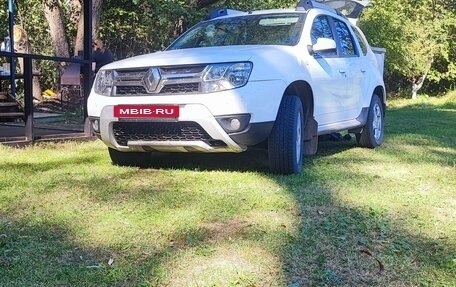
point(352, 9)
point(305, 5)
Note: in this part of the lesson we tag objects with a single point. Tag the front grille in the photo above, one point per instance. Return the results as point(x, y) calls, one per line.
point(180, 88)
point(161, 80)
point(182, 69)
point(159, 131)
point(130, 90)
point(168, 89)
point(131, 74)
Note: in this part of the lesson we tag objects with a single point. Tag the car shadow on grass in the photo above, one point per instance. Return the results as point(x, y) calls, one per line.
point(252, 160)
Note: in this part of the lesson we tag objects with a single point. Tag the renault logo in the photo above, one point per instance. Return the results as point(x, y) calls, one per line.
point(151, 80)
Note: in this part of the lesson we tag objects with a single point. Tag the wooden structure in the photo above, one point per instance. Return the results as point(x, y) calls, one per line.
point(9, 108)
point(71, 83)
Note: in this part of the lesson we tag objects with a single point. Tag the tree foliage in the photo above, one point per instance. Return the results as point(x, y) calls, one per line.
point(419, 38)
point(134, 27)
point(419, 35)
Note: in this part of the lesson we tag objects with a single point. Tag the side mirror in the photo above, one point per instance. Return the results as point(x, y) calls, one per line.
point(323, 45)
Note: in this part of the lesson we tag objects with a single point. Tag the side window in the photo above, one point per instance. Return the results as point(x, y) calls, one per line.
point(362, 44)
point(345, 38)
point(321, 29)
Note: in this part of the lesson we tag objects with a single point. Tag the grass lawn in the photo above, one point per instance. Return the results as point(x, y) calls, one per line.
point(354, 217)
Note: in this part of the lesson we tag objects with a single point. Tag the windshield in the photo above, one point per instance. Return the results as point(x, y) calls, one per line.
point(268, 29)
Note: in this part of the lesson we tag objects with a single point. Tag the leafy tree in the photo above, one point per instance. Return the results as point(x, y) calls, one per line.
point(26, 22)
point(419, 38)
point(54, 27)
point(134, 27)
point(419, 35)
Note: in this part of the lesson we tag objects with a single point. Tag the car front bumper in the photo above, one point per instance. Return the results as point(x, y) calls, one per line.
point(197, 128)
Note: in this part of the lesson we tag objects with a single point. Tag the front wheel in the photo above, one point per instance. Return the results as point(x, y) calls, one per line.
point(285, 142)
point(372, 134)
point(128, 158)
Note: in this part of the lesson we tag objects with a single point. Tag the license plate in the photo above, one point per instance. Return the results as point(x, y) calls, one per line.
point(146, 111)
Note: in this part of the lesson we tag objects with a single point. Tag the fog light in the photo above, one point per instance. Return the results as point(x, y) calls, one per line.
point(96, 125)
point(234, 123)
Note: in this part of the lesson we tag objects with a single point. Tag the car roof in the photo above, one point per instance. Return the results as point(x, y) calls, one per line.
point(339, 7)
point(228, 13)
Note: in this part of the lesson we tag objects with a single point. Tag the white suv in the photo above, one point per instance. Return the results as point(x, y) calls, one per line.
point(273, 78)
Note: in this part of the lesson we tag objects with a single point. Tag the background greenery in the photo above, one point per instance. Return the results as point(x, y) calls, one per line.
point(419, 35)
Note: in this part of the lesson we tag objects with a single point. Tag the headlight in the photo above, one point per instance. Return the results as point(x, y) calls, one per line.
point(104, 82)
point(220, 77)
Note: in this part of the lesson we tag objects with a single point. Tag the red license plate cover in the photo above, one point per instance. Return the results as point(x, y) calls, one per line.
point(146, 111)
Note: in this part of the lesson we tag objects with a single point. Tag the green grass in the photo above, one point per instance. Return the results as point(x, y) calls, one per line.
point(354, 217)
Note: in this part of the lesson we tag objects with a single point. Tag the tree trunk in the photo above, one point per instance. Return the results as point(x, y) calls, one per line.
point(76, 15)
point(79, 41)
point(417, 85)
point(53, 14)
point(179, 27)
point(22, 45)
point(75, 11)
point(96, 14)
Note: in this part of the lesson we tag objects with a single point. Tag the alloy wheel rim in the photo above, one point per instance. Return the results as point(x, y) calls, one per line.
point(298, 137)
point(377, 122)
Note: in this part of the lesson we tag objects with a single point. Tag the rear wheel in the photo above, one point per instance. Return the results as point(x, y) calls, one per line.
point(372, 134)
point(128, 158)
point(285, 142)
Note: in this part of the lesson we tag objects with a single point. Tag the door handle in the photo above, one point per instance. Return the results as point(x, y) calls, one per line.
point(342, 71)
point(363, 71)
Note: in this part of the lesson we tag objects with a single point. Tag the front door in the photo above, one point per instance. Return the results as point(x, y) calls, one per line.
point(328, 75)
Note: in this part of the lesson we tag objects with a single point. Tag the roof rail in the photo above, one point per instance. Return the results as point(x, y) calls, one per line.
point(222, 12)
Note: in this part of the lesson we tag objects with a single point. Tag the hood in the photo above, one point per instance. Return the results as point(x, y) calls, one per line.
point(193, 56)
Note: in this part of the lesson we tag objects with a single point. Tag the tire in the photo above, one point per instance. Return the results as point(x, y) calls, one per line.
point(372, 134)
point(285, 143)
point(139, 159)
